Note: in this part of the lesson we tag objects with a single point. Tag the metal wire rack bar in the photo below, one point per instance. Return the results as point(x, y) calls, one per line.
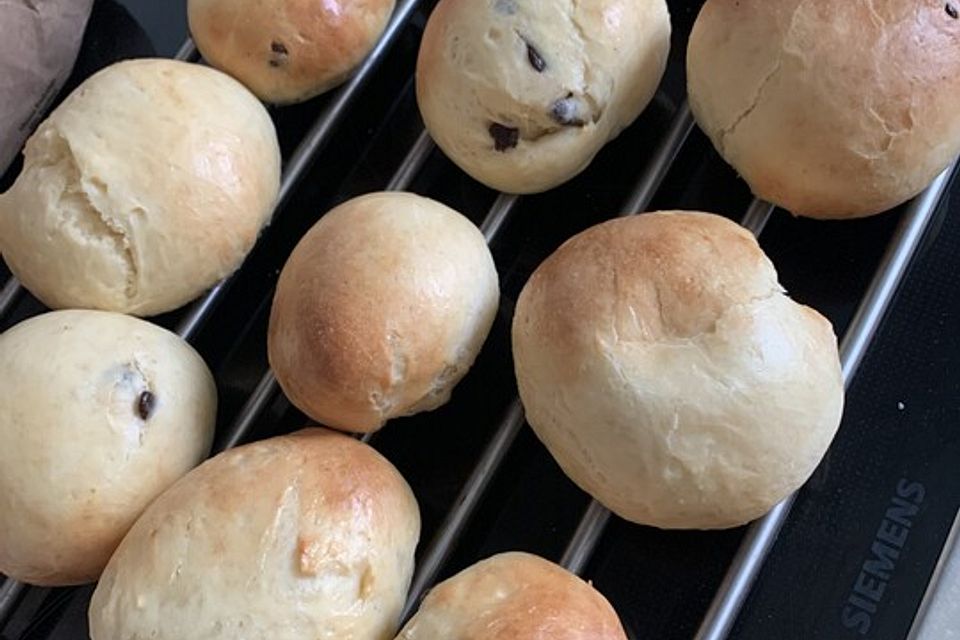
point(470, 495)
point(763, 533)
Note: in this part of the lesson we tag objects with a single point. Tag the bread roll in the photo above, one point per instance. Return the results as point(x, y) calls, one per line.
point(146, 186)
point(99, 413)
point(381, 310)
point(663, 366)
point(829, 109)
point(303, 536)
point(522, 95)
point(514, 596)
point(287, 50)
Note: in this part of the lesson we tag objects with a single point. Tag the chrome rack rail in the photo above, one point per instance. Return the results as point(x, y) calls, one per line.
point(763, 533)
point(472, 491)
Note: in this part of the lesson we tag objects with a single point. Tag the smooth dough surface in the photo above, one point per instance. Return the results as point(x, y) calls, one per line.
point(99, 413)
point(514, 596)
point(829, 109)
point(523, 94)
point(309, 535)
point(662, 365)
point(287, 50)
point(145, 187)
point(381, 310)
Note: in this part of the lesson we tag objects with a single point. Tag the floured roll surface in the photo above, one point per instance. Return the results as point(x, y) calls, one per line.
point(146, 186)
point(514, 596)
point(670, 376)
point(99, 413)
point(522, 95)
point(829, 109)
point(309, 535)
point(381, 310)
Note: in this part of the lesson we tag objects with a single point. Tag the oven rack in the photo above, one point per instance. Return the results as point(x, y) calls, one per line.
point(760, 536)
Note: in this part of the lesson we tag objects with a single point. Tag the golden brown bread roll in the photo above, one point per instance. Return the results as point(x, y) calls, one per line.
point(662, 365)
point(99, 413)
point(145, 187)
point(381, 310)
point(522, 95)
point(514, 596)
point(287, 50)
point(309, 535)
point(829, 109)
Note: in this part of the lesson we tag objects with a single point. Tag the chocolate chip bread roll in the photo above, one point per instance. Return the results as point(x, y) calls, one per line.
point(522, 95)
point(287, 50)
point(99, 414)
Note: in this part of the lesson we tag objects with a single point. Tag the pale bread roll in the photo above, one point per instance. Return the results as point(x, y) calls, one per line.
point(380, 310)
point(146, 186)
point(309, 535)
point(99, 413)
point(287, 50)
point(522, 95)
point(662, 365)
point(514, 596)
point(829, 109)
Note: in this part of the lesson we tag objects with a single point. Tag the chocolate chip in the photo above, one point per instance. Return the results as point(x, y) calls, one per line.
point(536, 60)
point(504, 137)
point(145, 404)
point(566, 111)
point(952, 11)
point(279, 53)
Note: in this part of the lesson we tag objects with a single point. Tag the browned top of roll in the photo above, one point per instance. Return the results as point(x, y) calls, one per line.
point(287, 50)
point(514, 596)
point(829, 109)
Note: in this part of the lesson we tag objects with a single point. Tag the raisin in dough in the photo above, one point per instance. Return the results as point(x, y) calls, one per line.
point(522, 94)
point(99, 414)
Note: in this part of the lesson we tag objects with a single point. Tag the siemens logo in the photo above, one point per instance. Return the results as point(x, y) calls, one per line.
point(879, 566)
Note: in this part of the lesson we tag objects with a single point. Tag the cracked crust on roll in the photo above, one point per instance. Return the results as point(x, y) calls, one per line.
point(514, 596)
point(310, 535)
point(670, 376)
point(146, 186)
point(522, 95)
point(830, 110)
